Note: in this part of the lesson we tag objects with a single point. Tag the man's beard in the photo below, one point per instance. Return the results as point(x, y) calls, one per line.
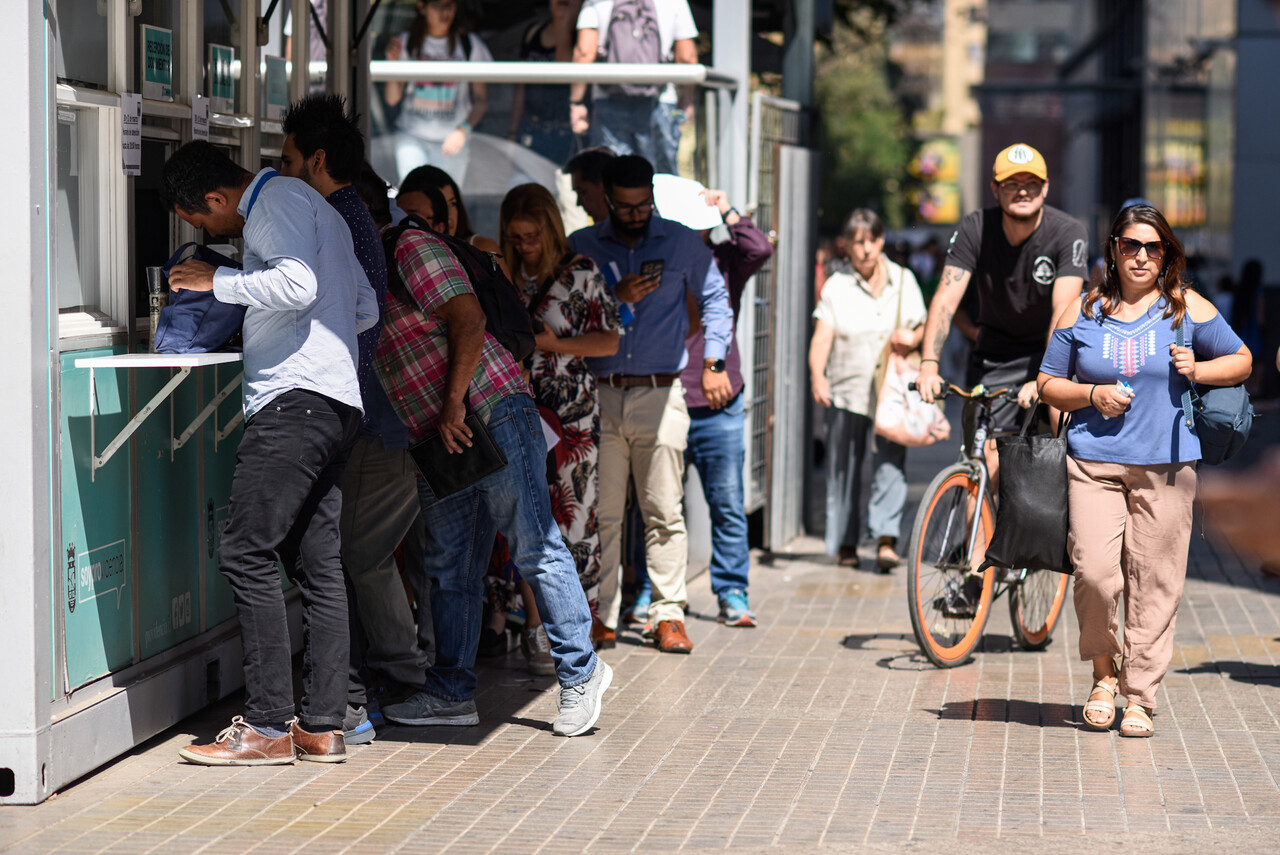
point(629, 229)
point(1025, 218)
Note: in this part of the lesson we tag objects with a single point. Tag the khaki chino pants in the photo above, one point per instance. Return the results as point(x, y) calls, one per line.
point(643, 432)
point(1130, 530)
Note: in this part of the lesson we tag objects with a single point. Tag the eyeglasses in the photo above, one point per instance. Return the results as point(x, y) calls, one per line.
point(1129, 248)
point(1032, 188)
point(534, 239)
point(621, 208)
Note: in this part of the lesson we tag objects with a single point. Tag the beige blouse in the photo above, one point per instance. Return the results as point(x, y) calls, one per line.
point(862, 325)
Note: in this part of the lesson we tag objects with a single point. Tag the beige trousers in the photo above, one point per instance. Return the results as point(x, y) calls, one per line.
point(643, 432)
point(1130, 530)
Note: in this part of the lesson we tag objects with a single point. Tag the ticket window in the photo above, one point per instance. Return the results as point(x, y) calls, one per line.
point(154, 225)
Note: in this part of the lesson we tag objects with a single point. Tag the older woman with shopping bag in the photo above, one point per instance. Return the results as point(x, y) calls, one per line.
point(863, 315)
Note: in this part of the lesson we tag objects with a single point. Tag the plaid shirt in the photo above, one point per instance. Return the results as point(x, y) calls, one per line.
point(413, 353)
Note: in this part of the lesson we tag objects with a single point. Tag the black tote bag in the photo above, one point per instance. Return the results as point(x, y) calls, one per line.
point(1031, 516)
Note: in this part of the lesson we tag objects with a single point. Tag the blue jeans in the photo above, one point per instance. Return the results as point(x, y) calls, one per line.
point(644, 126)
point(717, 448)
point(459, 540)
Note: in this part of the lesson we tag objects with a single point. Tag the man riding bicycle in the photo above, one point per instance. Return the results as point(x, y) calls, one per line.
point(1028, 261)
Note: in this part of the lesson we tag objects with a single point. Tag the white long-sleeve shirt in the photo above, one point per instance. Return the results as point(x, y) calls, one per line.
point(306, 293)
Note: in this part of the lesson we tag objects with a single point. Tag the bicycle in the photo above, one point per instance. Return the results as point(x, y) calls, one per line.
point(949, 591)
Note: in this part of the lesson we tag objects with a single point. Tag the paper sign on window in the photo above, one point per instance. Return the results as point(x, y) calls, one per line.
point(157, 63)
point(222, 78)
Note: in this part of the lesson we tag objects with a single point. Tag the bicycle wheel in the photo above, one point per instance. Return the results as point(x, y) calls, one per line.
point(1034, 606)
point(949, 601)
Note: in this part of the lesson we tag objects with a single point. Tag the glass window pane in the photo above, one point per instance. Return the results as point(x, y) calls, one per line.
point(76, 211)
point(162, 13)
point(80, 29)
point(221, 26)
point(153, 222)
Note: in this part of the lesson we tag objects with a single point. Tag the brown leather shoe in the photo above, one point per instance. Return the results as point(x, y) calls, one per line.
point(602, 638)
point(241, 745)
point(670, 637)
point(327, 747)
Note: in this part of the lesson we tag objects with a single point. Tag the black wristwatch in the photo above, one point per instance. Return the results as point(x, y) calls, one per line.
point(715, 367)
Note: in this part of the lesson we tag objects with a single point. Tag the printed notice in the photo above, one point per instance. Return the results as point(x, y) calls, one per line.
point(131, 132)
point(277, 89)
point(157, 63)
point(222, 78)
point(200, 119)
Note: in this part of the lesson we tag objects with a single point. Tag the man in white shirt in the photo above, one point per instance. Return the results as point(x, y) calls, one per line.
point(632, 118)
point(307, 298)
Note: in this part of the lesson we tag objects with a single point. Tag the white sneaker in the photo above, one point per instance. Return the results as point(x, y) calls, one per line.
point(580, 705)
point(537, 650)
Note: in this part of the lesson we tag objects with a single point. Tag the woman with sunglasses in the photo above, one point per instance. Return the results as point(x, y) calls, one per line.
point(1115, 364)
point(575, 316)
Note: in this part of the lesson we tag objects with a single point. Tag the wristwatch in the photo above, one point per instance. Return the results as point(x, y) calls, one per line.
point(715, 366)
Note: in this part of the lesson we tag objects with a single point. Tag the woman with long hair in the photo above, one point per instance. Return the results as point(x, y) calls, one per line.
point(575, 316)
point(854, 321)
point(414, 196)
point(1114, 363)
point(436, 117)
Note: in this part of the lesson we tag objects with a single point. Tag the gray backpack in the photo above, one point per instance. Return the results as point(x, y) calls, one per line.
point(633, 36)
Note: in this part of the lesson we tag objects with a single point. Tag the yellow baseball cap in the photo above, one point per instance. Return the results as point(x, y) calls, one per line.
point(1019, 157)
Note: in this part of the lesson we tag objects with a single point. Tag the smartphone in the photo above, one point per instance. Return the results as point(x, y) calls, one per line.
point(652, 269)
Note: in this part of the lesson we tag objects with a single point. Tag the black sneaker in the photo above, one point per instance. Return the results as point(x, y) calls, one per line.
point(492, 644)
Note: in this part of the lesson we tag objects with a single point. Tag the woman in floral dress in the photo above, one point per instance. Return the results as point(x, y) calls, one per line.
point(575, 316)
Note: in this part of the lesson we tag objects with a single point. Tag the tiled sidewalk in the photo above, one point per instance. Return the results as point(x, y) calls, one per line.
point(821, 730)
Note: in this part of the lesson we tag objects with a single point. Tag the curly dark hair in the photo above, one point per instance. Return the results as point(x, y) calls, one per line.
point(196, 169)
point(1171, 281)
point(324, 122)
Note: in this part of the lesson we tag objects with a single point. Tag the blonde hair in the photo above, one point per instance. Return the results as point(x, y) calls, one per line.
point(535, 204)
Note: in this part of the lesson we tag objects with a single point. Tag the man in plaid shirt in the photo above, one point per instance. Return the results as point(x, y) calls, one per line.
point(428, 360)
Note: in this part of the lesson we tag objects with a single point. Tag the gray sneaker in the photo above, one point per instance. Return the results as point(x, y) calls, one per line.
point(423, 709)
point(580, 705)
point(537, 650)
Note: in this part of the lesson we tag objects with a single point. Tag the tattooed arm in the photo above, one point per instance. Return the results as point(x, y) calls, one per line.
point(941, 311)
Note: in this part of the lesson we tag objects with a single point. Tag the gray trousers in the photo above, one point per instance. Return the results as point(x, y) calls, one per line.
point(379, 507)
point(847, 436)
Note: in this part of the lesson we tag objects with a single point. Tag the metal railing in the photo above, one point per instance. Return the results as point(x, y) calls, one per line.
point(681, 74)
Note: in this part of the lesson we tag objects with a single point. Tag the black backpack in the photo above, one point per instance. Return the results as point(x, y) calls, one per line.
point(507, 318)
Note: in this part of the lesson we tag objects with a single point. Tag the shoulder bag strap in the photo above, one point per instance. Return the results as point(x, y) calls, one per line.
point(1179, 338)
point(266, 176)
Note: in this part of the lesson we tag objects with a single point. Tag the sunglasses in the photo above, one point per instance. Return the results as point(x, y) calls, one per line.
point(1130, 248)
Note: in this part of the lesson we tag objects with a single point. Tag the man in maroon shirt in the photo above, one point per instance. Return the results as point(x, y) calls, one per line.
point(717, 444)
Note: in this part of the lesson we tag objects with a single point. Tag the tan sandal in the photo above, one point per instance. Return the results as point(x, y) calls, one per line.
point(1106, 707)
point(1136, 714)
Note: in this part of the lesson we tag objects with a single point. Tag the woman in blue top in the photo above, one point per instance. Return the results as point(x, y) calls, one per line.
point(1114, 363)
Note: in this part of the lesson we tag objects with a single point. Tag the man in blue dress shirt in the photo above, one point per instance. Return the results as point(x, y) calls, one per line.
point(644, 422)
point(307, 298)
point(324, 147)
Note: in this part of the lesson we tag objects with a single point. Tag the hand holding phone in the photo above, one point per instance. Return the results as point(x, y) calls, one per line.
point(652, 269)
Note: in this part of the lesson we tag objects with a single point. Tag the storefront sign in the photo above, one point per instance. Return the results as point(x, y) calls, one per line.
point(221, 77)
point(277, 88)
point(157, 63)
point(131, 132)
point(200, 118)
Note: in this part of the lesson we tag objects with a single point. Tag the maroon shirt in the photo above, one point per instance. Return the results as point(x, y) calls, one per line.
point(738, 258)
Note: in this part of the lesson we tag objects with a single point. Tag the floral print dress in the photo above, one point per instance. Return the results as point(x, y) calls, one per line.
point(577, 302)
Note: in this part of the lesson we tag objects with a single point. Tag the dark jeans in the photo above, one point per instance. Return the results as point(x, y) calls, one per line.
point(285, 504)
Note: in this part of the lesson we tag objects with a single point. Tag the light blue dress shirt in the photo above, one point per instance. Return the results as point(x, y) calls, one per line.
point(306, 293)
point(654, 341)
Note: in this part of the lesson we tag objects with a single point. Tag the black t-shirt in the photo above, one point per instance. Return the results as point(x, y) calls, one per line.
point(1014, 284)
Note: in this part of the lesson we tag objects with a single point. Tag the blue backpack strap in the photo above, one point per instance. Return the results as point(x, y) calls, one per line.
point(1179, 339)
point(267, 176)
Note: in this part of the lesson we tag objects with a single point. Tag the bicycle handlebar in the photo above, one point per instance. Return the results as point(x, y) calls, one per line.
point(977, 393)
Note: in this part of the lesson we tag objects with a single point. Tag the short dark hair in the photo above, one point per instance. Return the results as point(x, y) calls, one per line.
point(372, 190)
point(198, 168)
point(324, 122)
point(429, 177)
point(628, 170)
point(590, 163)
